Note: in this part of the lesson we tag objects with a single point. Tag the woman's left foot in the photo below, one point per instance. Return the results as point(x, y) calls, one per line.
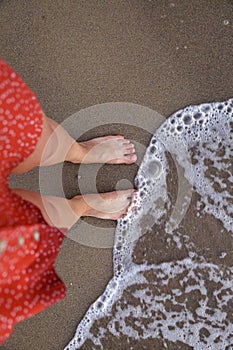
point(107, 149)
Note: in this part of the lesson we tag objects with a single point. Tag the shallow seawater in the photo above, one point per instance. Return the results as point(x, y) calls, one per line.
point(173, 263)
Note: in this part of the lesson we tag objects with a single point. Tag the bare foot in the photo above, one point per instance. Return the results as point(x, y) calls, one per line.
point(63, 213)
point(107, 149)
point(110, 205)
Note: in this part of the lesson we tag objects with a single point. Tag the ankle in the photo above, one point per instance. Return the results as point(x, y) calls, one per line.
point(58, 212)
point(79, 206)
point(76, 153)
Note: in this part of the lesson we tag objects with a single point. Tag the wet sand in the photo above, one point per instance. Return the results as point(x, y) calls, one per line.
point(77, 54)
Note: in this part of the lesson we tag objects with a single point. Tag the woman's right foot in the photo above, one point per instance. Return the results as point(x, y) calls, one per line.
point(110, 205)
point(57, 211)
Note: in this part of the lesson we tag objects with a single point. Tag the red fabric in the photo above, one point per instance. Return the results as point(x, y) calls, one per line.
point(28, 246)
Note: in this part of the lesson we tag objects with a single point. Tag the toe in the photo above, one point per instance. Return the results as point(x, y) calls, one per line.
point(130, 150)
point(129, 146)
point(129, 193)
point(125, 142)
point(110, 137)
point(120, 213)
point(123, 212)
point(130, 158)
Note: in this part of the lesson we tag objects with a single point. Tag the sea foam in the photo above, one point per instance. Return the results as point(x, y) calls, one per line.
point(173, 266)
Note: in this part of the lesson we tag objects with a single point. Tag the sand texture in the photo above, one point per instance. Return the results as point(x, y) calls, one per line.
point(75, 54)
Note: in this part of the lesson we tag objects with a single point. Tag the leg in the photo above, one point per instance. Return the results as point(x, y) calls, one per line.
point(56, 145)
point(51, 147)
point(107, 149)
point(63, 213)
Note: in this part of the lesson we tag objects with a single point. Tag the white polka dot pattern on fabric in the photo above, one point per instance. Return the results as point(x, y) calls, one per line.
point(28, 246)
point(3, 244)
point(36, 236)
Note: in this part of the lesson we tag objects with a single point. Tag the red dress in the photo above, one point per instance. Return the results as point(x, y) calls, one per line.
point(28, 245)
